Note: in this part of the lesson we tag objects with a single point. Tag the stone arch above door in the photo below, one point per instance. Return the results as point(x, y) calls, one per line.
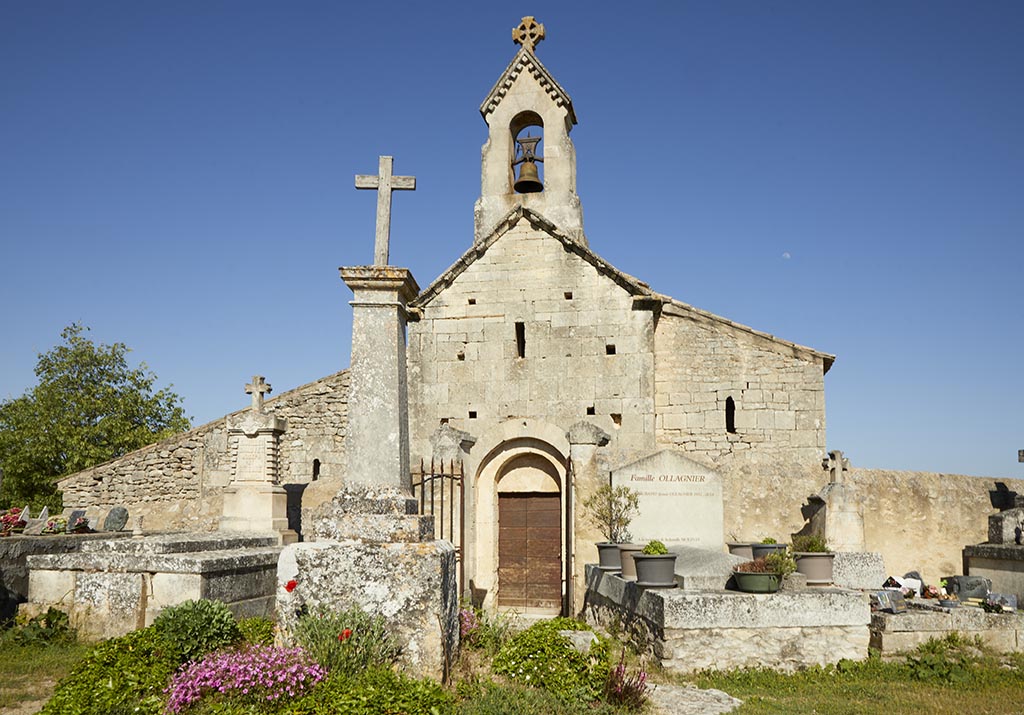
point(520, 465)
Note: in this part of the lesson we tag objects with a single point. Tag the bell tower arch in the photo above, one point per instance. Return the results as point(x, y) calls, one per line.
point(524, 104)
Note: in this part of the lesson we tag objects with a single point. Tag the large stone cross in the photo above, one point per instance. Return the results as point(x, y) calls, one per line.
point(384, 183)
point(528, 33)
point(257, 388)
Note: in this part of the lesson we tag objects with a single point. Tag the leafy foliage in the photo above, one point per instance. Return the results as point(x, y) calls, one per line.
point(194, 628)
point(490, 698)
point(121, 675)
point(375, 691)
point(655, 548)
point(541, 657)
point(89, 407)
point(50, 628)
point(809, 544)
point(780, 562)
point(256, 630)
point(346, 642)
point(484, 631)
point(611, 509)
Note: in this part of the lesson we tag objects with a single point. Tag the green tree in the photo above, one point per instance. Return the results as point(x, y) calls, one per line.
point(90, 406)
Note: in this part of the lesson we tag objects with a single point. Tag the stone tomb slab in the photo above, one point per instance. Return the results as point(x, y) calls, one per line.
point(680, 500)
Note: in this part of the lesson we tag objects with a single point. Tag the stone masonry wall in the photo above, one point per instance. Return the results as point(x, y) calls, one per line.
point(463, 354)
point(922, 520)
point(177, 483)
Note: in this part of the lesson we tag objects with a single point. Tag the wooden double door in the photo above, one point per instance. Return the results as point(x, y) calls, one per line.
point(530, 551)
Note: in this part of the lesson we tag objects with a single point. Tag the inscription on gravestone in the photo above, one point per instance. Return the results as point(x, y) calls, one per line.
point(251, 461)
point(680, 500)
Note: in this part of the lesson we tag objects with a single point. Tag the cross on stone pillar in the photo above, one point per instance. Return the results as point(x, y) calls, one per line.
point(528, 33)
point(837, 465)
point(384, 183)
point(257, 388)
point(1020, 455)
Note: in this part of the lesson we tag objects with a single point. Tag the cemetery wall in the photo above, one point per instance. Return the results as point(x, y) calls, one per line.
point(921, 521)
point(177, 483)
point(586, 349)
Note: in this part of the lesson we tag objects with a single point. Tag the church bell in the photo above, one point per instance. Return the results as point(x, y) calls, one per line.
point(529, 178)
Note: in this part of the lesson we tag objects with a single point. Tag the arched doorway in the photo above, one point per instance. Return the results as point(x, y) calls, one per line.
point(519, 523)
point(529, 535)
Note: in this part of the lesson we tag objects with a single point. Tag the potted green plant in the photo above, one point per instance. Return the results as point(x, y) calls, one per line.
point(765, 574)
point(813, 559)
point(655, 566)
point(948, 599)
point(611, 509)
point(766, 546)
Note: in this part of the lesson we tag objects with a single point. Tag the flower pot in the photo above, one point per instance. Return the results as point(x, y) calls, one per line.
point(756, 582)
point(816, 566)
point(626, 554)
point(949, 603)
point(743, 549)
point(608, 553)
point(762, 550)
point(655, 570)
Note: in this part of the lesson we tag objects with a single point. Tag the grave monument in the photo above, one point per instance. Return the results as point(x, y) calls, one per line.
point(369, 546)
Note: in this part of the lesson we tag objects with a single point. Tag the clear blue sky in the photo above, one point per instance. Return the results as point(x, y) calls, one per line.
point(849, 176)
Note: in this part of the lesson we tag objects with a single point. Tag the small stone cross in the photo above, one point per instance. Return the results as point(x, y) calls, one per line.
point(837, 465)
point(384, 183)
point(1020, 455)
point(256, 389)
point(529, 33)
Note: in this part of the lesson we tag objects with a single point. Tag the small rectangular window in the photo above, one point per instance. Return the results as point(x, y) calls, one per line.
point(609, 349)
point(591, 410)
point(472, 414)
point(568, 295)
point(521, 339)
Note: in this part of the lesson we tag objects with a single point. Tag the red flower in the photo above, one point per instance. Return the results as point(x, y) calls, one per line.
point(290, 586)
point(345, 635)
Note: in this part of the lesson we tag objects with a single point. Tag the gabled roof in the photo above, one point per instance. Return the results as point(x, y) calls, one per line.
point(643, 296)
point(526, 61)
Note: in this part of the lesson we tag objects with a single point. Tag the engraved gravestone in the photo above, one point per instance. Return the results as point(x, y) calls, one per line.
point(680, 500)
point(73, 519)
point(116, 519)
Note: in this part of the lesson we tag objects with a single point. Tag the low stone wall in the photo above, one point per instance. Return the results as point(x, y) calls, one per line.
point(691, 630)
point(893, 633)
point(177, 483)
point(14, 552)
point(112, 587)
point(921, 521)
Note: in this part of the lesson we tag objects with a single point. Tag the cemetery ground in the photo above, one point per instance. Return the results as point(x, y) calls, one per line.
point(495, 674)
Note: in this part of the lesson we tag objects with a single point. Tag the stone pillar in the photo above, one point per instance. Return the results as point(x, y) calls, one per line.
point(378, 422)
point(838, 511)
point(584, 440)
point(254, 500)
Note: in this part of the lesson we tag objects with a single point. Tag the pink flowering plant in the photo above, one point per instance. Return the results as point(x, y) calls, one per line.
point(628, 691)
point(254, 674)
point(11, 521)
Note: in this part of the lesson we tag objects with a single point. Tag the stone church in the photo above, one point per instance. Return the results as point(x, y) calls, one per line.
point(541, 369)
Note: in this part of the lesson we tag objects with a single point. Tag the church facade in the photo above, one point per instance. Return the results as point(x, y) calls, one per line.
point(542, 368)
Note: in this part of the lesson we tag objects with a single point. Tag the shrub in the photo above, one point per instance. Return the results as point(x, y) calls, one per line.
point(346, 642)
point(376, 691)
point(810, 543)
point(50, 628)
point(126, 674)
point(780, 562)
point(254, 674)
point(541, 657)
point(768, 540)
point(623, 690)
point(484, 631)
point(611, 509)
point(256, 630)
point(655, 548)
point(194, 628)
point(755, 566)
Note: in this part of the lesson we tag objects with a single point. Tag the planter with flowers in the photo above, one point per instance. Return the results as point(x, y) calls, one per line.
point(611, 509)
point(763, 575)
point(11, 522)
point(813, 559)
point(655, 566)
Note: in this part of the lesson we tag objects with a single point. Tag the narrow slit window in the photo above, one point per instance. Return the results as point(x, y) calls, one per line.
point(609, 349)
point(521, 339)
point(730, 415)
point(316, 469)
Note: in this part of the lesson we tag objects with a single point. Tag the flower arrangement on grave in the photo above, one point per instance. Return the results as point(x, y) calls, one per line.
point(80, 526)
point(930, 592)
point(56, 525)
point(11, 522)
point(779, 563)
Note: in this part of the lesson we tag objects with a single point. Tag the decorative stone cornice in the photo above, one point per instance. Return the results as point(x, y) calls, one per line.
point(526, 61)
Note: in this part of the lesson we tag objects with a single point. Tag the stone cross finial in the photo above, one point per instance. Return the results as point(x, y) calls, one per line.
point(837, 465)
point(257, 388)
point(529, 33)
point(384, 183)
